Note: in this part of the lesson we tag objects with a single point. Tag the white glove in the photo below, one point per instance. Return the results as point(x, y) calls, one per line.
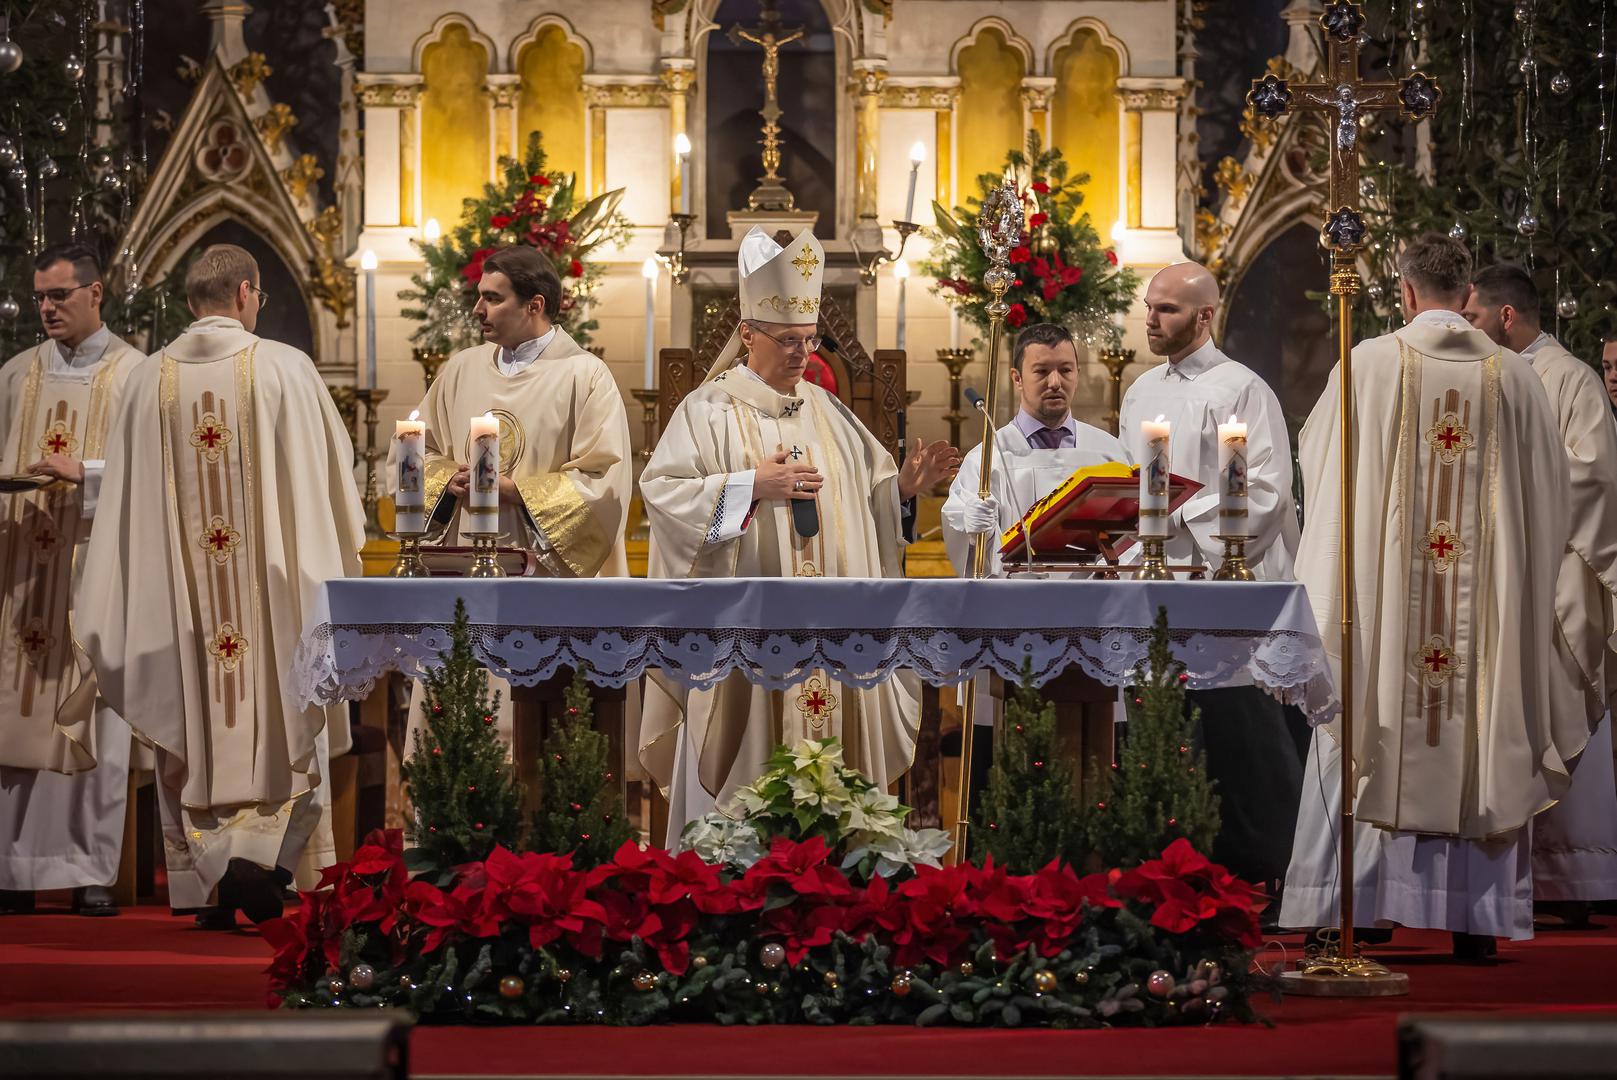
point(981, 516)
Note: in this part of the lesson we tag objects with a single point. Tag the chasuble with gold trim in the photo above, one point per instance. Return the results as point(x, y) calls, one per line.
point(722, 429)
point(228, 500)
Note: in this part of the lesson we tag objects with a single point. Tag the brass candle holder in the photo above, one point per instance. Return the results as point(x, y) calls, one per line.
point(409, 564)
point(369, 400)
point(1116, 360)
point(647, 396)
point(485, 563)
point(1234, 566)
point(1153, 558)
point(955, 360)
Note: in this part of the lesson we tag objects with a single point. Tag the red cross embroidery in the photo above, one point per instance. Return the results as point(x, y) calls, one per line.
point(1436, 660)
point(44, 539)
point(1449, 436)
point(210, 437)
point(1440, 546)
point(219, 539)
point(34, 641)
point(56, 443)
point(228, 646)
point(816, 703)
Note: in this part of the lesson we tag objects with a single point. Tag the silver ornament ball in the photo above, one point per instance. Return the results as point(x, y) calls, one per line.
point(1528, 65)
point(18, 172)
point(1567, 306)
point(1523, 10)
point(362, 977)
point(1458, 231)
point(57, 123)
point(1375, 292)
point(1527, 224)
point(10, 57)
point(101, 159)
point(110, 181)
point(73, 68)
point(1367, 187)
point(9, 308)
point(46, 169)
point(772, 955)
point(8, 151)
point(1560, 83)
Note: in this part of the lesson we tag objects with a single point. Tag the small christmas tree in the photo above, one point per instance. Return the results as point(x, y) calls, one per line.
point(1029, 812)
point(1159, 791)
point(459, 775)
point(580, 805)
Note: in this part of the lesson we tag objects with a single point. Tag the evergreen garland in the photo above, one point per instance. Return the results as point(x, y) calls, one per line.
point(459, 775)
point(580, 806)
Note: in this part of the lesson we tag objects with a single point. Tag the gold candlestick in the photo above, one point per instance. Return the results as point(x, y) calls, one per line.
point(1153, 559)
point(484, 563)
point(409, 564)
point(647, 396)
point(1116, 360)
point(1234, 566)
point(368, 401)
point(955, 360)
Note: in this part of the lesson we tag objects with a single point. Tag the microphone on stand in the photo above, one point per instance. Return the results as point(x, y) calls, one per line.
point(981, 406)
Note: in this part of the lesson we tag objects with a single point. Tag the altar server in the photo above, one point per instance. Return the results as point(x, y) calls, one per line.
point(754, 443)
point(1461, 490)
point(64, 756)
point(228, 500)
point(1574, 841)
point(1254, 746)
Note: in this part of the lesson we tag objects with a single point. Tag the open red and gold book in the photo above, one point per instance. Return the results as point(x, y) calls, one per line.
point(1101, 502)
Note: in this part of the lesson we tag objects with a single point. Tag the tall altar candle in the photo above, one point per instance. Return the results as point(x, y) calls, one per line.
point(1232, 496)
point(410, 464)
point(901, 271)
point(682, 150)
point(367, 263)
point(1154, 478)
point(483, 492)
point(648, 270)
point(917, 155)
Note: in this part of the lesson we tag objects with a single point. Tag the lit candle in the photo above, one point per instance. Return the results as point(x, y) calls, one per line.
point(648, 270)
point(483, 492)
point(430, 232)
point(917, 155)
point(1232, 501)
point(367, 263)
point(682, 150)
point(409, 464)
point(954, 327)
point(1154, 478)
point(901, 270)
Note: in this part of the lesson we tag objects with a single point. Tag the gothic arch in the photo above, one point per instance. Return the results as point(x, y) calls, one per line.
point(1012, 38)
point(436, 34)
point(1078, 26)
point(535, 28)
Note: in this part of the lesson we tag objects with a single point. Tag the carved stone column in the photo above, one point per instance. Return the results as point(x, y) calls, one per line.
point(867, 85)
point(679, 76)
point(504, 91)
point(1150, 138)
point(398, 202)
point(1037, 90)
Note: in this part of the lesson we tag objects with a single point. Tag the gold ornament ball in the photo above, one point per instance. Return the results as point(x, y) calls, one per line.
point(1044, 981)
point(772, 955)
point(563, 974)
point(966, 968)
point(1160, 984)
point(699, 961)
point(362, 977)
point(644, 980)
point(406, 983)
point(901, 984)
point(760, 988)
point(336, 985)
point(511, 987)
point(831, 981)
point(1081, 978)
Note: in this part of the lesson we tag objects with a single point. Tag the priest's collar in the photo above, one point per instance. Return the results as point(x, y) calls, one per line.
point(1443, 317)
point(1203, 359)
point(1538, 343)
point(513, 361)
point(746, 385)
point(87, 351)
point(212, 324)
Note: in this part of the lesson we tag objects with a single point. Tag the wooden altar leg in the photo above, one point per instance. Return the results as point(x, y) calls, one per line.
point(1084, 713)
point(383, 712)
point(923, 782)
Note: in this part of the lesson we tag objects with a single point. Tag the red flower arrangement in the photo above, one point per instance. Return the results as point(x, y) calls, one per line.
point(684, 917)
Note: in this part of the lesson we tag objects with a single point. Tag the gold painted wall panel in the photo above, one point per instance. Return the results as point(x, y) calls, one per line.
point(454, 124)
point(1084, 123)
point(990, 115)
point(552, 102)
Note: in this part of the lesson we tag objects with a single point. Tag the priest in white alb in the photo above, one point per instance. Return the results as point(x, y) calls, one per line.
point(228, 500)
point(1255, 746)
point(564, 481)
point(1037, 452)
point(1461, 496)
point(738, 451)
point(1574, 841)
point(64, 754)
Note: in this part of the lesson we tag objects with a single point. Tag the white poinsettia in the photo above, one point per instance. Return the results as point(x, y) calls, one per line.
point(909, 849)
point(811, 789)
point(820, 758)
point(873, 811)
point(718, 839)
point(749, 802)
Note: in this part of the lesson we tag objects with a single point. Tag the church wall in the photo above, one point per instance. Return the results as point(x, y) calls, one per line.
point(1085, 125)
point(455, 134)
point(552, 98)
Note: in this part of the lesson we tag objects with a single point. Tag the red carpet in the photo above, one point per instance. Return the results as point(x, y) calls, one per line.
point(56, 964)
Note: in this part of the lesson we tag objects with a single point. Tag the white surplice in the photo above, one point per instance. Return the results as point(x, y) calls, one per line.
point(1461, 488)
point(1575, 841)
point(1195, 395)
point(64, 755)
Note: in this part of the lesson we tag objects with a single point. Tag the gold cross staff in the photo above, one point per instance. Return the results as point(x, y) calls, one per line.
point(1343, 98)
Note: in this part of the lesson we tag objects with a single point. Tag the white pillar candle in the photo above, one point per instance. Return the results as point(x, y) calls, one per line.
point(367, 263)
point(1154, 478)
point(901, 271)
point(682, 150)
point(483, 492)
point(648, 270)
point(409, 475)
point(1232, 498)
point(917, 155)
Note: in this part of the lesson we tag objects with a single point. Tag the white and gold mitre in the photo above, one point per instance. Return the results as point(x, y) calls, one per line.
point(781, 285)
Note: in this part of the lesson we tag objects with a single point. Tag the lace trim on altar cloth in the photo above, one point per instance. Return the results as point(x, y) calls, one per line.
point(337, 662)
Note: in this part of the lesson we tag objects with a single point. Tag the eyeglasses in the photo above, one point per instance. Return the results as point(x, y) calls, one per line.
point(803, 345)
point(263, 297)
point(58, 296)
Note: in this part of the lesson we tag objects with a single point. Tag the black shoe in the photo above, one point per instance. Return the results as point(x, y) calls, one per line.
point(216, 918)
point(94, 900)
point(253, 889)
point(16, 901)
point(1475, 948)
point(1568, 914)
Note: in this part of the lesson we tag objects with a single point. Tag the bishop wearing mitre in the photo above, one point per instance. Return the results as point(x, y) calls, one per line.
point(564, 483)
point(1460, 522)
point(228, 501)
point(64, 755)
point(1574, 841)
point(739, 451)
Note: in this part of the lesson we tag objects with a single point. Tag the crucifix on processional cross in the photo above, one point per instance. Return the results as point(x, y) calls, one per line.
point(1344, 98)
point(770, 36)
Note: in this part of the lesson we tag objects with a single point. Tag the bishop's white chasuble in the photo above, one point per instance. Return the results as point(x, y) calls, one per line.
point(724, 428)
point(64, 755)
point(1460, 521)
point(228, 500)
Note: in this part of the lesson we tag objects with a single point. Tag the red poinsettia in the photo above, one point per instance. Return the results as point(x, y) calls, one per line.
point(1037, 220)
point(1186, 890)
point(1056, 275)
point(1017, 315)
point(298, 938)
point(936, 916)
point(473, 270)
point(575, 269)
point(1111, 256)
point(1020, 254)
point(539, 180)
point(545, 893)
point(1041, 187)
point(500, 221)
point(803, 867)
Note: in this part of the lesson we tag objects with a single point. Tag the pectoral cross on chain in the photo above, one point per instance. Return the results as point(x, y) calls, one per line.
point(1343, 97)
point(796, 453)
